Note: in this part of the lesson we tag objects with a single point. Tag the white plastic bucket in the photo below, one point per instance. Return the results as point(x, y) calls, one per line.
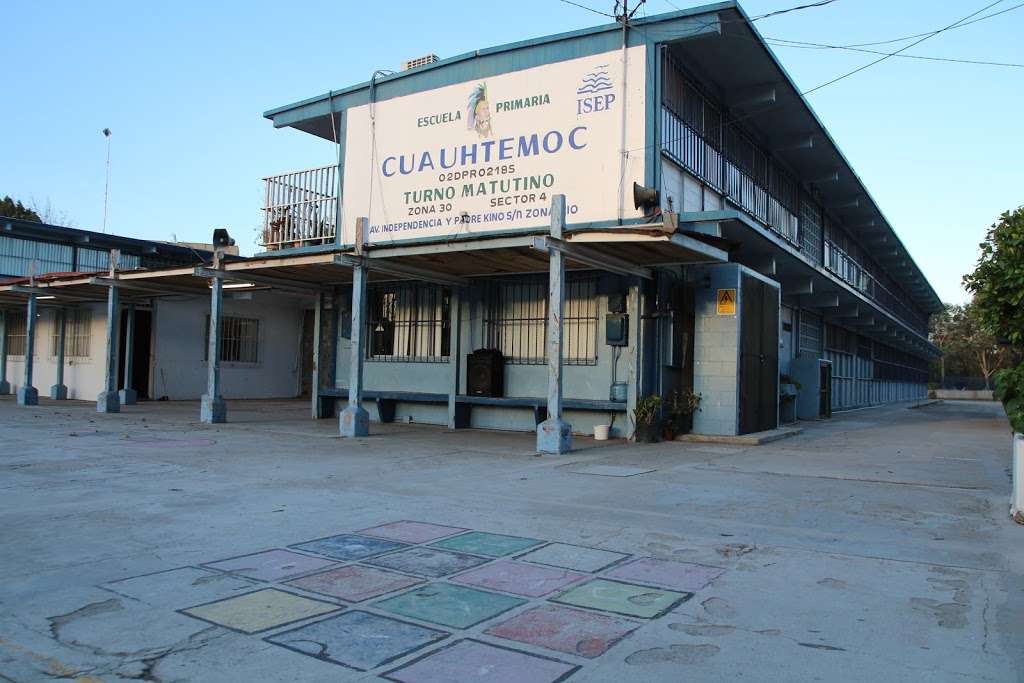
point(601, 432)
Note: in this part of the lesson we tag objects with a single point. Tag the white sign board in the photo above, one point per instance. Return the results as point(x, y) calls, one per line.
point(486, 155)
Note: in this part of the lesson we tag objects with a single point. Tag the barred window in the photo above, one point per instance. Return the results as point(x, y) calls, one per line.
point(516, 313)
point(16, 336)
point(239, 340)
point(77, 333)
point(408, 322)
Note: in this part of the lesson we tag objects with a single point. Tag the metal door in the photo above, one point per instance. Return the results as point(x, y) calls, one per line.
point(759, 356)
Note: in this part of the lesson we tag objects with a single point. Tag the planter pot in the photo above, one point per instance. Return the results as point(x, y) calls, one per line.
point(647, 433)
point(601, 432)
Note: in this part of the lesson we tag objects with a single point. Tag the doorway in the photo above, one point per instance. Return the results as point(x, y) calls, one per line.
point(141, 345)
point(759, 356)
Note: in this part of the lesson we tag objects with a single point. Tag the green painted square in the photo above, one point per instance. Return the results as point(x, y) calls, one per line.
point(629, 599)
point(482, 543)
point(448, 605)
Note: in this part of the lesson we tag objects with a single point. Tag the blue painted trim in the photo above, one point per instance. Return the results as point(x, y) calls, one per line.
point(297, 251)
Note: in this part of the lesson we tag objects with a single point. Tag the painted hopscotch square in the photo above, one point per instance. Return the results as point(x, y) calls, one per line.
point(682, 576)
point(271, 565)
point(473, 660)
point(177, 588)
point(354, 583)
point(576, 557)
point(349, 547)
point(573, 631)
point(260, 610)
point(519, 578)
point(412, 532)
point(358, 640)
point(449, 605)
point(629, 599)
point(427, 562)
point(483, 543)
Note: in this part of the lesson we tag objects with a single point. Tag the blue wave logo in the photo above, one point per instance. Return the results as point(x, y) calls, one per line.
point(596, 81)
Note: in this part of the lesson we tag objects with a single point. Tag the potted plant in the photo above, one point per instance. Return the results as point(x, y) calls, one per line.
point(647, 420)
point(680, 406)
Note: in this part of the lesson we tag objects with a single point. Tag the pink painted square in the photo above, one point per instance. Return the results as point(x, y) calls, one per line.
point(573, 631)
point(412, 532)
point(472, 660)
point(680, 576)
point(271, 565)
point(519, 578)
point(354, 583)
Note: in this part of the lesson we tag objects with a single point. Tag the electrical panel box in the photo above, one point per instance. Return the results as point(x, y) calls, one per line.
point(616, 302)
point(616, 329)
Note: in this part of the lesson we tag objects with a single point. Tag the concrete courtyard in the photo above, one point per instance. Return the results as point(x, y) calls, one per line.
point(147, 546)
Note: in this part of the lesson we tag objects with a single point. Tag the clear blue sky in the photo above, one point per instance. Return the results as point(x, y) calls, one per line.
point(183, 86)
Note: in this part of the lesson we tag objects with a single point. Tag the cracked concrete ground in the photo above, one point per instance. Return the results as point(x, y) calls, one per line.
point(875, 546)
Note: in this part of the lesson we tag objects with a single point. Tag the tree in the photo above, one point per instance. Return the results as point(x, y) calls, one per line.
point(13, 209)
point(998, 280)
point(968, 346)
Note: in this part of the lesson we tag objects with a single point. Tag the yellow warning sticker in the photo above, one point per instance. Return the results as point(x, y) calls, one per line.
point(727, 302)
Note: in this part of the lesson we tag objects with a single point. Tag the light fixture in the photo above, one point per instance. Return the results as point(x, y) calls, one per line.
point(43, 298)
point(239, 285)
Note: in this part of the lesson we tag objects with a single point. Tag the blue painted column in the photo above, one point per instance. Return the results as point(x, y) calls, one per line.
point(59, 391)
point(554, 435)
point(213, 409)
point(108, 401)
point(636, 330)
point(28, 395)
point(318, 331)
point(454, 354)
point(354, 420)
point(5, 386)
point(127, 395)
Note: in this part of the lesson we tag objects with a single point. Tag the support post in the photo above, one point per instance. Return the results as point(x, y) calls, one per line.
point(213, 409)
point(354, 420)
point(635, 361)
point(454, 356)
point(5, 386)
point(59, 391)
point(28, 395)
point(128, 395)
point(108, 401)
point(1017, 499)
point(554, 435)
point(318, 331)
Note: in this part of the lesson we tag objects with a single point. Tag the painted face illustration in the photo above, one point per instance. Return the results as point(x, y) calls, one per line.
point(478, 112)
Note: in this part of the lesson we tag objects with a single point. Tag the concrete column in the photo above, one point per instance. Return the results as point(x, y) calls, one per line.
point(28, 395)
point(5, 386)
point(318, 331)
point(354, 420)
point(108, 401)
point(59, 391)
point(454, 354)
point(1017, 499)
point(635, 364)
point(554, 435)
point(213, 409)
point(127, 395)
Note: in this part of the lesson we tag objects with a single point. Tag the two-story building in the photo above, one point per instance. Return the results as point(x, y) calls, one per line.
point(541, 234)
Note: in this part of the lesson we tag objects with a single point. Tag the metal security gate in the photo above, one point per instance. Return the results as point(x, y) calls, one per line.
point(759, 356)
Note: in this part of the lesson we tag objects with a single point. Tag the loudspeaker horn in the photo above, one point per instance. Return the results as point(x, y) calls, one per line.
point(647, 197)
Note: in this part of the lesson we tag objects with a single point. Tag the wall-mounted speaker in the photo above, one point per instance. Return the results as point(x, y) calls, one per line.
point(485, 373)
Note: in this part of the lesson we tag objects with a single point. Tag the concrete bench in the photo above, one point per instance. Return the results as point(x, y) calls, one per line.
point(387, 402)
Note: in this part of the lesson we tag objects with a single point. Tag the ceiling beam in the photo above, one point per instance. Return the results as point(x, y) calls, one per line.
point(592, 257)
point(398, 269)
point(820, 300)
point(52, 291)
point(793, 286)
point(243, 276)
point(149, 287)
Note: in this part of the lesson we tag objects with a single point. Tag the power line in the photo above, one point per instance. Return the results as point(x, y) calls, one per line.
point(820, 3)
point(893, 54)
point(589, 9)
point(782, 42)
point(918, 35)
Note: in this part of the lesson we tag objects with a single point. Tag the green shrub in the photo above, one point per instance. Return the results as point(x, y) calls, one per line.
point(1010, 390)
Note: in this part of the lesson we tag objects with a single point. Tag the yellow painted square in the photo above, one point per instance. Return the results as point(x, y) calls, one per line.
point(260, 610)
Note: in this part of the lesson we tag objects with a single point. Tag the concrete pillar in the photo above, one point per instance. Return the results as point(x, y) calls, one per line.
point(5, 386)
point(454, 355)
point(354, 420)
point(213, 409)
point(28, 395)
point(128, 395)
point(318, 332)
point(108, 401)
point(635, 361)
point(554, 435)
point(1017, 499)
point(59, 391)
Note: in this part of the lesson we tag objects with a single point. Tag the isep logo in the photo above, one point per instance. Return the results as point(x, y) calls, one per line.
point(594, 93)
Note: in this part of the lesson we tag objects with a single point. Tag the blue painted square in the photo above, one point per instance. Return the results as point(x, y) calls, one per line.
point(349, 546)
point(358, 640)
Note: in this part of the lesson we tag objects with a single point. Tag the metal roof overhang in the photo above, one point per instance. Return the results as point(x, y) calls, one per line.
point(629, 246)
point(804, 284)
point(746, 77)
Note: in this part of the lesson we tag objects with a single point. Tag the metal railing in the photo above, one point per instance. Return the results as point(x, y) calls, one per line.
point(300, 208)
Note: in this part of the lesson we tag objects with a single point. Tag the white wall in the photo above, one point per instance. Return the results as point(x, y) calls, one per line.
point(179, 368)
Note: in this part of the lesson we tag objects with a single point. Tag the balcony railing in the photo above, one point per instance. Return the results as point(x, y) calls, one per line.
point(300, 208)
